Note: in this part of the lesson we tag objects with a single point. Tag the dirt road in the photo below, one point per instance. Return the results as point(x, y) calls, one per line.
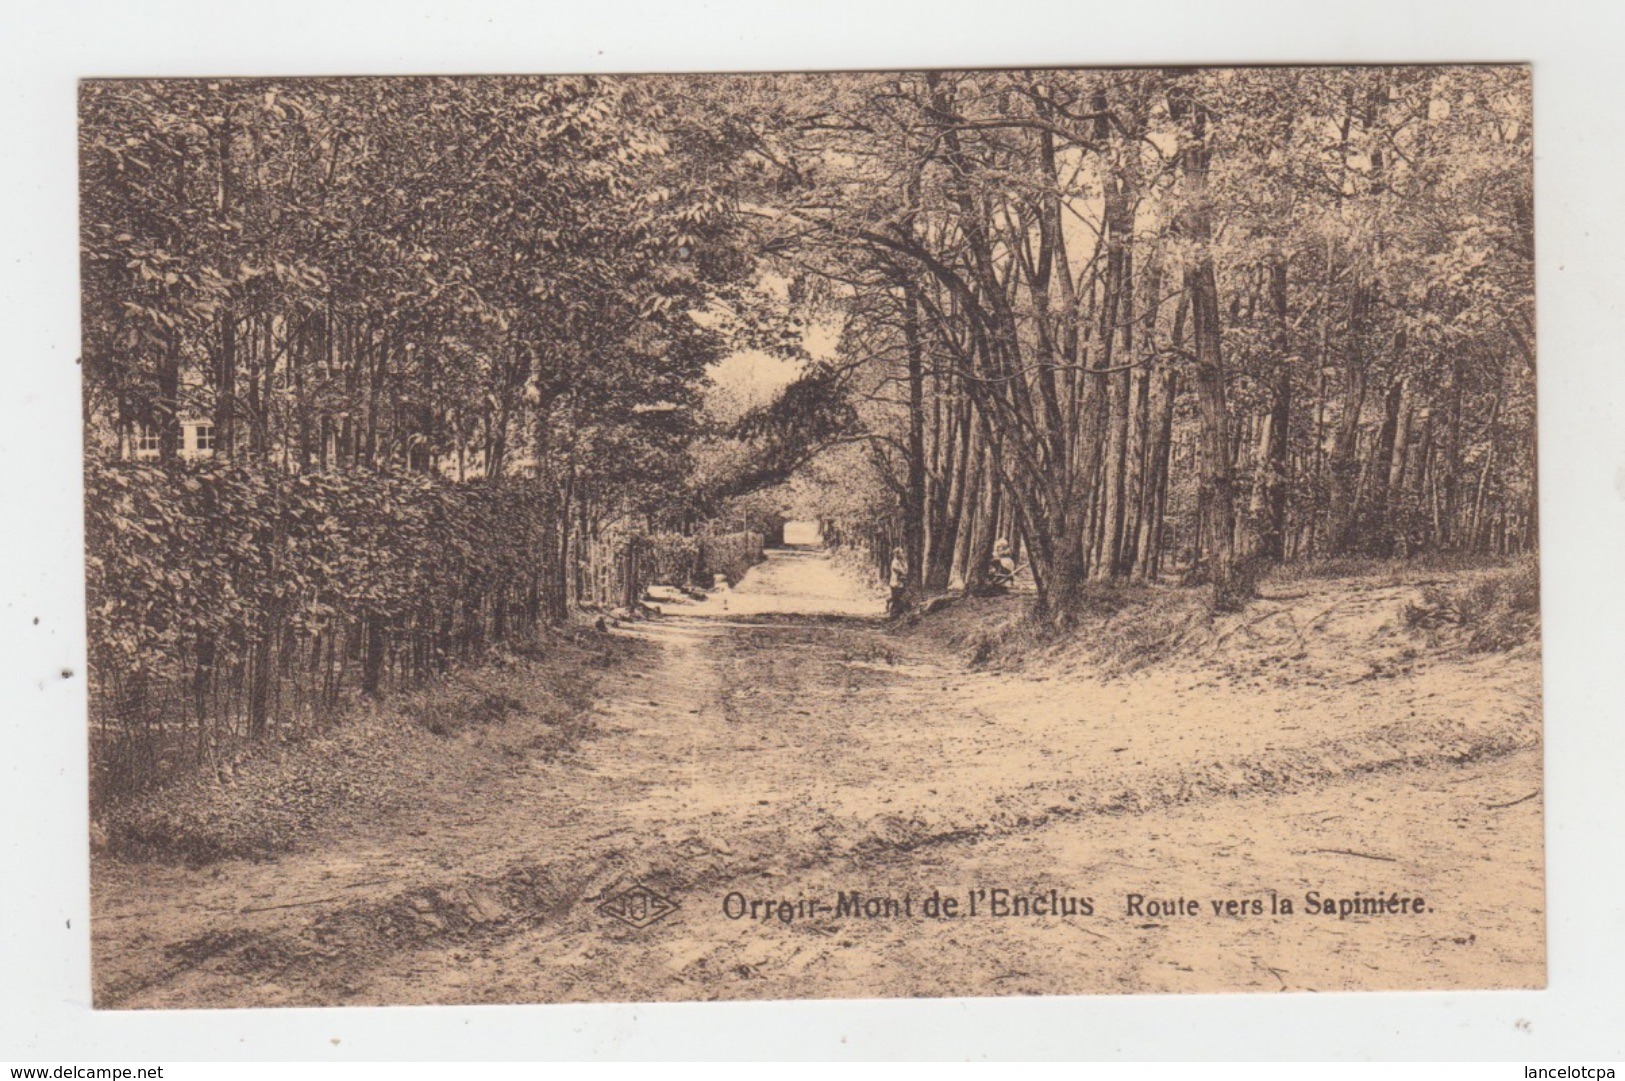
point(780, 743)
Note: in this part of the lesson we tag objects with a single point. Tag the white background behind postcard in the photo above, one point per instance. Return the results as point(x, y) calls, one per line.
point(44, 965)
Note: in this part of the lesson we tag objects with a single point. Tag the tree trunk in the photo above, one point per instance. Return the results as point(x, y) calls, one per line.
point(372, 671)
point(1207, 358)
point(1277, 463)
point(947, 525)
point(914, 485)
point(1154, 498)
point(167, 412)
point(1117, 324)
point(1376, 535)
point(1343, 513)
point(1219, 541)
point(225, 387)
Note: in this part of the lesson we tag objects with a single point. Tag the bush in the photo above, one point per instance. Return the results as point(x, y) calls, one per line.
point(675, 560)
point(1492, 612)
point(456, 709)
point(730, 554)
point(672, 559)
point(234, 602)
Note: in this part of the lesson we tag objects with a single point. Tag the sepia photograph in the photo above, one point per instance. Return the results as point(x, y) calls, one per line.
point(835, 535)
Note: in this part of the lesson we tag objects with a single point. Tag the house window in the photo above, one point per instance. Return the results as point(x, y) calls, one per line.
point(203, 437)
point(146, 440)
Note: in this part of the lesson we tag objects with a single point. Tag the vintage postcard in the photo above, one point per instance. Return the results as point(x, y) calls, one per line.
point(783, 536)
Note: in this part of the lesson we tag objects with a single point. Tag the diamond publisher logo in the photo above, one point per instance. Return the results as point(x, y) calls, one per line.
point(638, 907)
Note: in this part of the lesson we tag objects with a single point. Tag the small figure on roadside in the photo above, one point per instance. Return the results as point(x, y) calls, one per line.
point(1001, 571)
point(898, 581)
point(1000, 576)
point(721, 588)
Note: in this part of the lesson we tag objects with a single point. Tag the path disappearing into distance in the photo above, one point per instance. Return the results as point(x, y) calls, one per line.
point(753, 757)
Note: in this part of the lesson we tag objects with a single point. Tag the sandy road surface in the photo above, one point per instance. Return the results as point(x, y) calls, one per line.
point(781, 744)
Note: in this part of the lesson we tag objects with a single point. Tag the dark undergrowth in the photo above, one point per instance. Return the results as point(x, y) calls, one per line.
point(1471, 603)
point(1494, 611)
point(459, 708)
point(1119, 628)
point(402, 755)
point(1388, 570)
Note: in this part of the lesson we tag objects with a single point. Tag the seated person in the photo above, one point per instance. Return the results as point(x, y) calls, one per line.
point(897, 579)
point(1001, 571)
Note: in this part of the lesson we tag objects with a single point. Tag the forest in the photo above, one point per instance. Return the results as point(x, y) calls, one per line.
point(379, 372)
point(1177, 323)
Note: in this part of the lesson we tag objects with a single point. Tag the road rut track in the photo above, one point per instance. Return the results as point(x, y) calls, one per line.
point(331, 953)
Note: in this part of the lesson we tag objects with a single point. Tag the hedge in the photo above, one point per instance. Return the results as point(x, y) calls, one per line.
point(227, 601)
point(231, 603)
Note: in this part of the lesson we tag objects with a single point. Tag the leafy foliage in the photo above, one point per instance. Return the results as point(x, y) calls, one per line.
point(1167, 319)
